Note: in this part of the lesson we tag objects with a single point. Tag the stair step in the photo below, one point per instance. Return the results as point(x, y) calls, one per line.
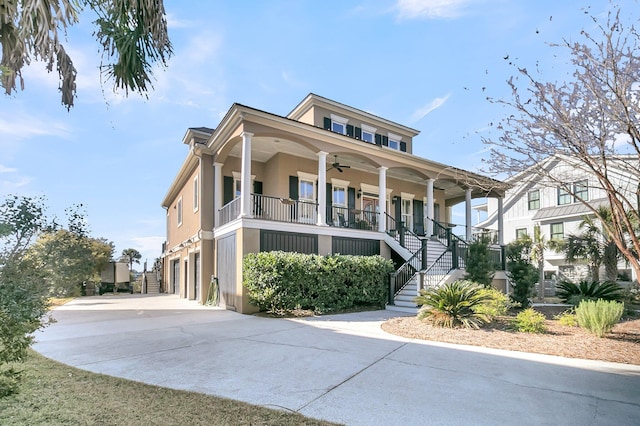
point(397, 308)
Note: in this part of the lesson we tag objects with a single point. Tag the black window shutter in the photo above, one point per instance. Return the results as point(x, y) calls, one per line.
point(327, 123)
point(398, 208)
point(385, 141)
point(351, 203)
point(329, 214)
point(378, 139)
point(257, 187)
point(293, 187)
point(349, 130)
point(418, 217)
point(358, 134)
point(403, 146)
point(228, 189)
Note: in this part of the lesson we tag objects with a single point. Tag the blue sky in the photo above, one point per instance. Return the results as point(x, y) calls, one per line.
point(428, 64)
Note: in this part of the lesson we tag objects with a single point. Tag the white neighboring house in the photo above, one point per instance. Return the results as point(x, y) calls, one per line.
point(553, 194)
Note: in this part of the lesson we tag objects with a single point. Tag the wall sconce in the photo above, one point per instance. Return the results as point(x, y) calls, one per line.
point(359, 194)
point(394, 199)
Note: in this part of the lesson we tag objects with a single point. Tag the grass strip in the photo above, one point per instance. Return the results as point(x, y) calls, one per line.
point(56, 394)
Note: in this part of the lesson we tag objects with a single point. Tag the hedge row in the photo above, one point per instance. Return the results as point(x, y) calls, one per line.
point(282, 281)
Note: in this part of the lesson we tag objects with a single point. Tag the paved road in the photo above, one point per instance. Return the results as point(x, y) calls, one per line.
point(341, 368)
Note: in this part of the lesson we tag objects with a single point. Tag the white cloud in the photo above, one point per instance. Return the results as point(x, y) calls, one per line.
point(149, 247)
point(428, 108)
point(24, 126)
point(175, 22)
point(5, 169)
point(14, 186)
point(291, 80)
point(430, 9)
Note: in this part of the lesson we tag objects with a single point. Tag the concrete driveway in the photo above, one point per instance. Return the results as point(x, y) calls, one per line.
point(341, 368)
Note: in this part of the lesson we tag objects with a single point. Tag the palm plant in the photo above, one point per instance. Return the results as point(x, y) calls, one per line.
point(594, 245)
point(452, 305)
point(588, 290)
point(131, 256)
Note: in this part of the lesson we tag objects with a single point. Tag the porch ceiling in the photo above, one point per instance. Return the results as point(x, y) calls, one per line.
point(263, 148)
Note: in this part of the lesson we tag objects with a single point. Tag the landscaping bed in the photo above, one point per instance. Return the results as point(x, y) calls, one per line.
point(621, 345)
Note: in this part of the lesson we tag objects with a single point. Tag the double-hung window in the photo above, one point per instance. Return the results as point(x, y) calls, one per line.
point(521, 233)
point(179, 211)
point(581, 190)
point(563, 197)
point(195, 194)
point(534, 199)
point(307, 197)
point(557, 231)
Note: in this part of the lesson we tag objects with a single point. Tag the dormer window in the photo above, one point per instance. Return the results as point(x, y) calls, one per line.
point(368, 133)
point(339, 124)
point(394, 141)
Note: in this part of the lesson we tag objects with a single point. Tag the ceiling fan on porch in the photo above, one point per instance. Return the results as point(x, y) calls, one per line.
point(336, 165)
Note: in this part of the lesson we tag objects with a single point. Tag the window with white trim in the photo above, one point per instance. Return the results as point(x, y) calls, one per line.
point(394, 141)
point(534, 199)
point(563, 197)
point(581, 190)
point(368, 133)
point(179, 211)
point(195, 194)
point(237, 187)
point(306, 191)
point(407, 212)
point(557, 231)
point(339, 198)
point(339, 124)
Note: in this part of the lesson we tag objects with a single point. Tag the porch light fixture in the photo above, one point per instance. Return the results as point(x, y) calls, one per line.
point(359, 193)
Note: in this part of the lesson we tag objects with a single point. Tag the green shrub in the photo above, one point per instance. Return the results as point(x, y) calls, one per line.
point(478, 265)
point(575, 293)
point(530, 321)
point(283, 281)
point(522, 274)
point(567, 318)
point(599, 316)
point(496, 305)
point(453, 304)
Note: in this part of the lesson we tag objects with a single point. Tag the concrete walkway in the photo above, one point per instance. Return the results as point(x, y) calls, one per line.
point(341, 368)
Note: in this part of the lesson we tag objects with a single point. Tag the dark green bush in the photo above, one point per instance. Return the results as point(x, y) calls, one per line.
point(281, 281)
point(588, 290)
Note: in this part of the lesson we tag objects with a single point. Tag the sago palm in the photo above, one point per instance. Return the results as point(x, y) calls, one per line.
point(452, 305)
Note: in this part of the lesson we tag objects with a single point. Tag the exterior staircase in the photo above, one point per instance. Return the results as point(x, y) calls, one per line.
point(153, 285)
point(442, 264)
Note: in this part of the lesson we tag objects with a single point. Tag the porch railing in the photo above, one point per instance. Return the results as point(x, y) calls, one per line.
point(353, 218)
point(297, 211)
point(403, 235)
point(272, 208)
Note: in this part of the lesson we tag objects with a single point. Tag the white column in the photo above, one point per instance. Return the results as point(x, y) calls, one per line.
point(382, 198)
point(217, 194)
point(322, 188)
point(245, 196)
point(430, 202)
point(467, 209)
point(500, 221)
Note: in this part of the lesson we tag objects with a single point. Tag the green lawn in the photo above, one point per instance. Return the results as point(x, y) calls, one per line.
point(55, 394)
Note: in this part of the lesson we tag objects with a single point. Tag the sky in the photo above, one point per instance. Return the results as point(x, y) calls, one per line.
point(427, 64)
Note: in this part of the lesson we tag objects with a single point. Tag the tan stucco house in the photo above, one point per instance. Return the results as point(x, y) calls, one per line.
point(327, 178)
